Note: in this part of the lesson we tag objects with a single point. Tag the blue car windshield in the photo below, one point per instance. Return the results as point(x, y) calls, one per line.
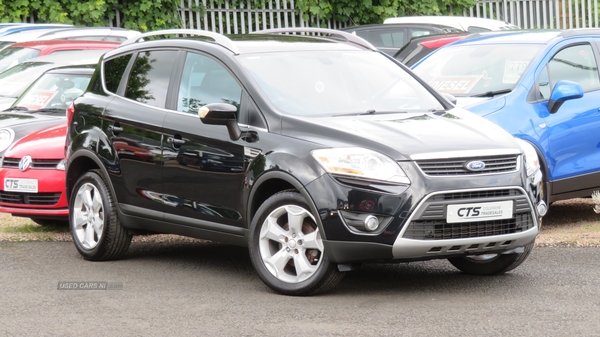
point(321, 83)
point(471, 70)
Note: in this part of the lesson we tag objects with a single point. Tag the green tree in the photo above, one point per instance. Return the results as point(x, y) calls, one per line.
point(140, 15)
point(146, 15)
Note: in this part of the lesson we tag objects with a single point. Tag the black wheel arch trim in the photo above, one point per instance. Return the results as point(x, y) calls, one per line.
point(281, 175)
point(89, 154)
point(544, 168)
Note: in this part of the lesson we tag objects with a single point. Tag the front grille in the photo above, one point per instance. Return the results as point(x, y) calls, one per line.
point(29, 198)
point(440, 230)
point(429, 222)
point(35, 164)
point(457, 166)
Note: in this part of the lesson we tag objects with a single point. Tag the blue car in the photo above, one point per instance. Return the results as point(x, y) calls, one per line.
point(16, 28)
point(541, 86)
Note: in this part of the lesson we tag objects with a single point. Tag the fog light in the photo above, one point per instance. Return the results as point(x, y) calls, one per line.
point(542, 208)
point(371, 223)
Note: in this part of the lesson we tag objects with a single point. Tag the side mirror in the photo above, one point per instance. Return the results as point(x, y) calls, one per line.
point(221, 114)
point(563, 91)
point(450, 98)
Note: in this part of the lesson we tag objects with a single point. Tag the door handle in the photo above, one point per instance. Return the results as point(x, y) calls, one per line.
point(175, 141)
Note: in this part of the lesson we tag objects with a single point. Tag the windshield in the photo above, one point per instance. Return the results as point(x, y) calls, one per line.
point(10, 57)
point(476, 69)
point(53, 91)
point(337, 82)
point(5, 44)
point(15, 80)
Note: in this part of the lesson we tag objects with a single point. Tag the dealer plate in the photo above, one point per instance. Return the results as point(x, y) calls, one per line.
point(21, 185)
point(479, 211)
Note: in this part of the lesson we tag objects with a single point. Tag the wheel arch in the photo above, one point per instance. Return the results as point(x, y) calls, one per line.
point(543, 167)
point(81, 162)
point(271, 183)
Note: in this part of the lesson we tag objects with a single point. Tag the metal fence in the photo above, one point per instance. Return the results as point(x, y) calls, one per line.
point(252, 15)
point(247, 16)
point(539, 14)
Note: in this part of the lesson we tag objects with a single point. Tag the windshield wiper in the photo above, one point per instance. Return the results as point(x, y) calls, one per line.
point(17, 108)
point(50, 111)
point(492, 93)
point(370, 112)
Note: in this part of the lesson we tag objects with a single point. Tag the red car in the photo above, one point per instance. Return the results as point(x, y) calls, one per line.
point(33, 177)
point(23, 51)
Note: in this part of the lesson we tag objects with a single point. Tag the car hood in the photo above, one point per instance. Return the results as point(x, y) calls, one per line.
point(6, 102)
point(403, 135)
point(481, 105)
point(8, 118)
point(48, 143)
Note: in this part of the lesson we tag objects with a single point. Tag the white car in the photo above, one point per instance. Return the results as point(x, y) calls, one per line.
point(26, 35)
point(469, 24)
point(14, 81)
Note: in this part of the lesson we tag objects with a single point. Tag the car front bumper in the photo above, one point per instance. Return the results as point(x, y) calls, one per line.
point(413, 218)
point(50, 199)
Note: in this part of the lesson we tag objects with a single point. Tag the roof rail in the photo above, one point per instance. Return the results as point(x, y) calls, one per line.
point(347, 36)
point(579, 31)
point(218, 38)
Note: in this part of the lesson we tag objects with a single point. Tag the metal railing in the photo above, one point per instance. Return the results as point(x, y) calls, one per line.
point(247, 16)
point(539, 14)
point(252, 15)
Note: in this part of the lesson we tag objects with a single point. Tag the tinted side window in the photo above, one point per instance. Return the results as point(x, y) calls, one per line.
point(576, 63)
point(113, 71)
point(149, 78)
point(387, 38)
point(205, 81)
point(475, 29)
point(420, 32)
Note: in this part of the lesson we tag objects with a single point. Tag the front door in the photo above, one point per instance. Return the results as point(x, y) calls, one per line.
point(203, 172)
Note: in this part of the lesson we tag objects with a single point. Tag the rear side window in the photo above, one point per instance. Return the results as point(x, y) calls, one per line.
point(390, 38)
point(149, 78)
point(114, 70)
point(420, 32)
point(475, 29)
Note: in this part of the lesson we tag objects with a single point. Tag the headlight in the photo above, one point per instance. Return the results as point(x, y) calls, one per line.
point(6, 138)
point(360, 163)
point(61, 165)
point(532, 162)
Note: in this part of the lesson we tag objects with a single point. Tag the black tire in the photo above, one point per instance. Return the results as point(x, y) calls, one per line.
point(301, 243)
point(494, 265)
point(51, 222)
point(97, 233)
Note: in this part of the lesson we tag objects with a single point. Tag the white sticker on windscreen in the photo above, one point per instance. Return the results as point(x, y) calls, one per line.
point(513, 69)
point(454, 84)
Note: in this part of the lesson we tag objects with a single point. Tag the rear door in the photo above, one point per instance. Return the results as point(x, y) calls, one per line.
point(133, 121)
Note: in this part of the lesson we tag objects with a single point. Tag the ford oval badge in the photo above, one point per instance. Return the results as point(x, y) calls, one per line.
point(476, 165)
